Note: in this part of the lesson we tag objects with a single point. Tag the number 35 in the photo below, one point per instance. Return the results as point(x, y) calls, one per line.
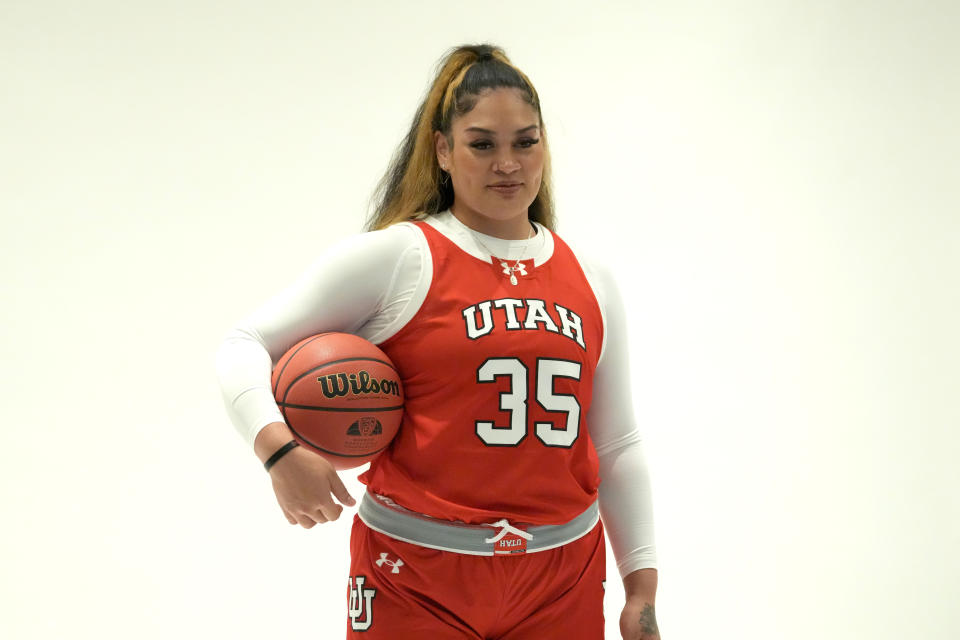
point(515, 401)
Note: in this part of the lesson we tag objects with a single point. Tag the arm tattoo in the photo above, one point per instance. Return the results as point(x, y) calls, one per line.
point(648, 622)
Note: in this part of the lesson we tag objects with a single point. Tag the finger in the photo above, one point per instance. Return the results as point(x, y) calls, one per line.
point(290, 518)
point(339, 490)
point(306, 521)
point(331, 511)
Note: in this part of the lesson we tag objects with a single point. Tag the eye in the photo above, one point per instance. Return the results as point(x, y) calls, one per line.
point(481, 145)
point(526, 143)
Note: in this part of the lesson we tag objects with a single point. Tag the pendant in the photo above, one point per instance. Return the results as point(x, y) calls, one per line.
point(511, 271)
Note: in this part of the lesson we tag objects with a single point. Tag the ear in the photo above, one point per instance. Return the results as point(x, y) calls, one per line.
point(442, 148)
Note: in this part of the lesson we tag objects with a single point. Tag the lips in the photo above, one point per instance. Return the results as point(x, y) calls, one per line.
point(506, 187)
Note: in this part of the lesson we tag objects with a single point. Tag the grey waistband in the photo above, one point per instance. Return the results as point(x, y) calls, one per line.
point(383, 515)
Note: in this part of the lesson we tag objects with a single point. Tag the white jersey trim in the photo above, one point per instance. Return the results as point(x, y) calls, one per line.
point(539, 248)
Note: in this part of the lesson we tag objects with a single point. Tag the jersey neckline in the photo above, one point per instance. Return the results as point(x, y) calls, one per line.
point(540, 248)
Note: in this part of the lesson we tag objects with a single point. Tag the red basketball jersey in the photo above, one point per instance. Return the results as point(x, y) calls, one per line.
point(497, 381)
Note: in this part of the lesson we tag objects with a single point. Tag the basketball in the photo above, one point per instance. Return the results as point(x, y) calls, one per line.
point(340, 395)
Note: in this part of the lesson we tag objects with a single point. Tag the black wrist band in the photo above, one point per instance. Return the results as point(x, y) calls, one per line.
point(279, 454)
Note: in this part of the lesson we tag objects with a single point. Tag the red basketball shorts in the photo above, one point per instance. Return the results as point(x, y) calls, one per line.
point(403, 591)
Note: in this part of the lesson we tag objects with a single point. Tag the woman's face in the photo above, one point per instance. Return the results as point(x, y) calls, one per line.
point(495, 164)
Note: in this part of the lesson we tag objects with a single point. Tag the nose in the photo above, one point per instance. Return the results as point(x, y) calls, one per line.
point(506, 163)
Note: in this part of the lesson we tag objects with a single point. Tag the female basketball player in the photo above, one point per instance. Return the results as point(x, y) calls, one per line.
point(482, 518)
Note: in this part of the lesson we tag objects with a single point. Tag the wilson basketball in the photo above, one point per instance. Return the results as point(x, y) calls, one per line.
point(341, 396)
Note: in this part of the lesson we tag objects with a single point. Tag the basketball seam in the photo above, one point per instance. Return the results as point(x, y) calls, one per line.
point(327, 364)
point(337, 453)
point(284, 367)
point(348, 409)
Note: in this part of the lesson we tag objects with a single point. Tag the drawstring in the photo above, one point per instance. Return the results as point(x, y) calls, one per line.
point(506, 528)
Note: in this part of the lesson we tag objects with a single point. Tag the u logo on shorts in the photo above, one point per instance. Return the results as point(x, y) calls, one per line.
point(360, 607)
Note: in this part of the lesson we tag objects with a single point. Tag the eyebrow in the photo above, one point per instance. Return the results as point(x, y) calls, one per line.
point(482, 130)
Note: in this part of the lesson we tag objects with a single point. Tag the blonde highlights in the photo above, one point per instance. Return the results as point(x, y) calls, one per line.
point(414, 184)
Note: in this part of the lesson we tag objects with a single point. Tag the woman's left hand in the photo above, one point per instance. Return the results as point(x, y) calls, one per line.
point(638, 620)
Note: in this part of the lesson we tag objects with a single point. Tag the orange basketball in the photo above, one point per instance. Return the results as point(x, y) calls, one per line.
point(341, 396)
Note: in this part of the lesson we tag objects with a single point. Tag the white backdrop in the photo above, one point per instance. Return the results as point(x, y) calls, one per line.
point(775, 181)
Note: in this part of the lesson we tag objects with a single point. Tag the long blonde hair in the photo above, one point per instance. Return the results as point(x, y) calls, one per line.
point(413, 183)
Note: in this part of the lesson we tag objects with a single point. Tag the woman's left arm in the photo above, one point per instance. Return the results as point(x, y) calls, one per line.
point(626, 504)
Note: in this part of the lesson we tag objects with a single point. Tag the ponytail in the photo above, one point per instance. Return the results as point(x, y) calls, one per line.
point(414, 185)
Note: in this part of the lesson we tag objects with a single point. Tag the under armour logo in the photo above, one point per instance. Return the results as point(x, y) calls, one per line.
point(385, 560)
point(360, 607)
point(519, 267)
point(511, 271)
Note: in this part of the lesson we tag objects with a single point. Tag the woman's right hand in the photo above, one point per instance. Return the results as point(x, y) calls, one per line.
point(305, 485)
point(304, 482)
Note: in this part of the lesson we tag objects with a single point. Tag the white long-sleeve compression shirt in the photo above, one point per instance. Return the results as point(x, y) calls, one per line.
point(372, 284)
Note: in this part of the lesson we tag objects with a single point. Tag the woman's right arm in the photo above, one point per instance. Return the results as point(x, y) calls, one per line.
point(304, 482)
point(358, 286)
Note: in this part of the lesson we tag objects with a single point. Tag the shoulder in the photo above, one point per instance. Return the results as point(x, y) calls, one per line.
point(596, 268)
point(600, 278)
point(375, 250)
point(395, 239)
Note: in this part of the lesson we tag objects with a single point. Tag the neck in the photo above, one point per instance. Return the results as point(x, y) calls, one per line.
point(517, 227)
